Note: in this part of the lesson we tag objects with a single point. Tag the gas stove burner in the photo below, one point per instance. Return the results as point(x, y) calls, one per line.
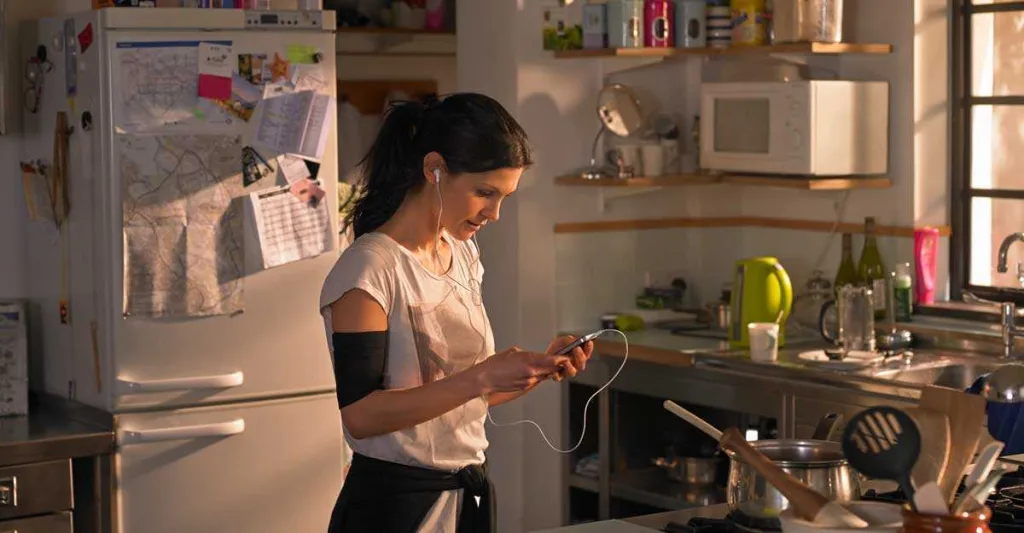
point(702, 525)
point(749, 524)
point(734, 522)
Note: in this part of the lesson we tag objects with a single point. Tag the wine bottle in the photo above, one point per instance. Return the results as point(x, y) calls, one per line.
point(847, 273)
point(871, 270)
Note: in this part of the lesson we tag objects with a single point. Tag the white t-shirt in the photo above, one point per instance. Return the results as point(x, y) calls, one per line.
point(437, 326)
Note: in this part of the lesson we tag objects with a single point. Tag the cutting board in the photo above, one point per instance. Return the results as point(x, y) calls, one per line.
point(934, 456)
point(966, 413)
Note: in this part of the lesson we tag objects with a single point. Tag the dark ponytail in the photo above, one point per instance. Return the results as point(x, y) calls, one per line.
point(472, 132)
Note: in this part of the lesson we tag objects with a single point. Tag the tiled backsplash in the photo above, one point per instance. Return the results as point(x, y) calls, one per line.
point(598, 273)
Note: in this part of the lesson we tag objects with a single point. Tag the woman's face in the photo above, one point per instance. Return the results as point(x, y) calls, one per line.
point(472, 200)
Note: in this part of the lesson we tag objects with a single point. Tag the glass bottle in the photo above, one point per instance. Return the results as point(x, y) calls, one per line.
point(870, 270)
point(903, 293)
point(847, 273)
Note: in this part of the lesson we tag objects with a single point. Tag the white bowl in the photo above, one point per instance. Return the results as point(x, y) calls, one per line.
point(881, 518)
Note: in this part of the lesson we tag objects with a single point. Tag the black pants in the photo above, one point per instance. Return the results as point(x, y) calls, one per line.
point(385, 497)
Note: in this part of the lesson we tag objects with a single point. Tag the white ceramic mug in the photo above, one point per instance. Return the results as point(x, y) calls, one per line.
point(764, 341)
point(653, 156)
point(670, 153)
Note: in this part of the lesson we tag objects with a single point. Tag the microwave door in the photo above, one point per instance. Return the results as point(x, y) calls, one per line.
point(749, 132)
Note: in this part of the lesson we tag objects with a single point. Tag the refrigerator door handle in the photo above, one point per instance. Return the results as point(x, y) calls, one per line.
point(199, 431)
point(138, 386)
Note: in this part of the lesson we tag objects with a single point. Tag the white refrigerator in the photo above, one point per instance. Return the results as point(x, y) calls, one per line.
point(213, 365)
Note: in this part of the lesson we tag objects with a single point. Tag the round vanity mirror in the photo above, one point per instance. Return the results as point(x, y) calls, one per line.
point(619, 110)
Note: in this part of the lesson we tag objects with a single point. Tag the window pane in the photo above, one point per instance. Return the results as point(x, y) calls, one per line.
point(997, 61)
point(992, 219)
point(997, 147)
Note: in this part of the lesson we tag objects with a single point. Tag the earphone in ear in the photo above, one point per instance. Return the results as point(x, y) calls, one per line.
point(437, 176)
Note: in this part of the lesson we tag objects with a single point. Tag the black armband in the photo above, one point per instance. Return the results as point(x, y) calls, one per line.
point(360, 359)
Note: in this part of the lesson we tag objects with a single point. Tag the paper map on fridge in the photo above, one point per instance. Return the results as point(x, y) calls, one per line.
point(156, 86)
point(184, 251)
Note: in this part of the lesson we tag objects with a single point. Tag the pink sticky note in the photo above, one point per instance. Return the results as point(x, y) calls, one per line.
point(214, 87)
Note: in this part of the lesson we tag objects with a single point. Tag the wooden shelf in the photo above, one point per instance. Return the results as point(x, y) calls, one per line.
point(735, 222)
point(652, 487)
point(589, 484)
point(790, 48)
point(751, 180)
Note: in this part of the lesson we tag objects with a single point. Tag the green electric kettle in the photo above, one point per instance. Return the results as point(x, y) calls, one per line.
point(761, 290)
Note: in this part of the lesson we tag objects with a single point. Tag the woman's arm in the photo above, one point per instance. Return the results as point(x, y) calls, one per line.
point(503, 397)
point(579, 358)
point(386, 411)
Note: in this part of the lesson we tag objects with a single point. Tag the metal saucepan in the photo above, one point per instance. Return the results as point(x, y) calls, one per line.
point(817, 463)
point(694, 471)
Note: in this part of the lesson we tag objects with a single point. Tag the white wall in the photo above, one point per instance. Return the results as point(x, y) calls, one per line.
point(14, 268)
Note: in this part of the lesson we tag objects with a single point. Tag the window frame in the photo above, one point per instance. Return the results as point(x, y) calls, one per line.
point(962, 102)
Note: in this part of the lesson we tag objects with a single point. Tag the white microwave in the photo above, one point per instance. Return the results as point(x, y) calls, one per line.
point(808, 128)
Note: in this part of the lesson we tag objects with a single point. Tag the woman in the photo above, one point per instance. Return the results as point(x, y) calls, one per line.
point(411, 342)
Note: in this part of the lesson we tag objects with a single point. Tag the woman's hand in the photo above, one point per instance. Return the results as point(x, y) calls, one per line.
point(515, 370)
point(578, 357)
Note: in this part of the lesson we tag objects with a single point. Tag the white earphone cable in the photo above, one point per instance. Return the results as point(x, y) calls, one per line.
point(478, 300)
point(586, 406)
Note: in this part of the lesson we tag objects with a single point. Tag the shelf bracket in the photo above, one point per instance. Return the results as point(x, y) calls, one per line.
point(606, 196)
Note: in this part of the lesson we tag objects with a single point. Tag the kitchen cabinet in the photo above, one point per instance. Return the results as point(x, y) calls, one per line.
point(34, 489)
point(56, 467)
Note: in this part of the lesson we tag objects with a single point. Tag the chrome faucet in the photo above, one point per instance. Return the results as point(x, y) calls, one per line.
point(1005, 247)
point(1010, 328)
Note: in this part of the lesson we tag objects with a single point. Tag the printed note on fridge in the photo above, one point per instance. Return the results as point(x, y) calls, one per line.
point(293, 168)
point(292, 222)
point(295, 123)
point(214, 71)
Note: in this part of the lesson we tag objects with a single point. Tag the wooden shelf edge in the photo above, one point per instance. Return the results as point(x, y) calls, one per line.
point(682, 180)
point(735, 222)
point(788, 48)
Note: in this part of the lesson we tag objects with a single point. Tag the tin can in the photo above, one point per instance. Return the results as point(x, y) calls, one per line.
point(595, 26)
point(625, 23)
point(749, 22)
point(719, 26)
point(691, 25)
point(659, 20)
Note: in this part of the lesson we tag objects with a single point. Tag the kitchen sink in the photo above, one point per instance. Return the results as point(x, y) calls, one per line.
point(952, 375)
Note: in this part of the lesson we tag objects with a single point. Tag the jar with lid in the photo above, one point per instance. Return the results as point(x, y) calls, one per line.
point(976, 521)
point(807, 305)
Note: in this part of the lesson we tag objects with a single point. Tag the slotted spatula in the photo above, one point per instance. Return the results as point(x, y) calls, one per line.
point(883, 443)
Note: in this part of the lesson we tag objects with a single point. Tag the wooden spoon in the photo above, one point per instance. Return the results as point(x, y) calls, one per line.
point(806, 502)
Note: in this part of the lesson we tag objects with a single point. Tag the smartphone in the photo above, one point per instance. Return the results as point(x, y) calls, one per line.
point(579, 342)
